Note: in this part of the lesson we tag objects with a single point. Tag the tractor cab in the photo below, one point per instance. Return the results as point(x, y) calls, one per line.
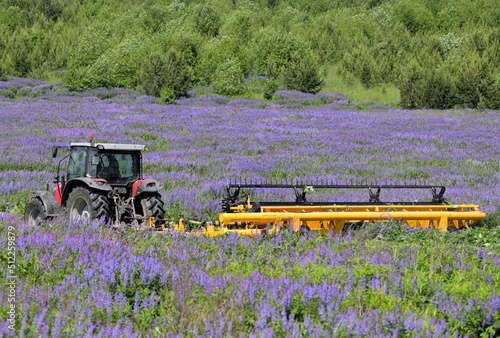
point(118, 164)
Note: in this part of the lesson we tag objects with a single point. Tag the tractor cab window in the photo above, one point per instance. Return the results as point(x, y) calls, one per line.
point(115, 167)
point(76, 166)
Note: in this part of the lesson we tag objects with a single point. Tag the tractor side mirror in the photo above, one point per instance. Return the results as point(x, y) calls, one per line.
point(54, 152)
point(95, 160)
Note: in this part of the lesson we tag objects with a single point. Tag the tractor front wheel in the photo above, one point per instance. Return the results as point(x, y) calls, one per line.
point(149, 205)
point(35, 212)
point(85, 204)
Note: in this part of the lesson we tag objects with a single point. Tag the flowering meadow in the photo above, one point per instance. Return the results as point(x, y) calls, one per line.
point(86, 279)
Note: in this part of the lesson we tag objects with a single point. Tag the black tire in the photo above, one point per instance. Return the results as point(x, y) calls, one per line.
point(452, 229)
point(35, 213)
point(86, 204)
point(149, 205)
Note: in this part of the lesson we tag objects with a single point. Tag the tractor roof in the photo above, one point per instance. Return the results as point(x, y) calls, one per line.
point(110, 146)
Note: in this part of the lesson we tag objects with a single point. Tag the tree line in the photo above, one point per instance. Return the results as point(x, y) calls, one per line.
point(439, 54)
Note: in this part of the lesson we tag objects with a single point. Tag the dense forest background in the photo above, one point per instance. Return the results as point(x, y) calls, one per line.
point(438, 54)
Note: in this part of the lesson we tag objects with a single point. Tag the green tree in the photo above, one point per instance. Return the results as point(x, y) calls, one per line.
point(206, 19)
point(228, 79)
point(303, 74)
point(162, 73)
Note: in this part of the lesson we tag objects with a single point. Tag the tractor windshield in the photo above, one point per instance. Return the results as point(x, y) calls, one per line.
point(76, 165)
point(115, 167)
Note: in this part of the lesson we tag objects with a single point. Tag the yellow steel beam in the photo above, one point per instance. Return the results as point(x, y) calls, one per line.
point(441, 218)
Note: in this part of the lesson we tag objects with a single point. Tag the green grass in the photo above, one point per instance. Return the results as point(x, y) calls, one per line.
point(385, 93)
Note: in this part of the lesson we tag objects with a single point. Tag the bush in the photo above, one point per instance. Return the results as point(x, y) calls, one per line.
point(94, 42)
point(206, 19)
point(416, 16)
point(238, 25)
point(228, 79)
point(78, 79)
point(473, 81)
point(152, 74)
point(427, 87)
point(361, 64)
point(167, 95)
point(11, 18)
point(409, 85)
point(217, 50)
point(170, 72)
point(277, 46)
point(270, 87)
point(302, 74)
point(154, 17)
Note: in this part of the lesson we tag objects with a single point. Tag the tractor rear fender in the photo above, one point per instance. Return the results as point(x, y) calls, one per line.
point(92, 183)
point(144, 186)
point(48, 200)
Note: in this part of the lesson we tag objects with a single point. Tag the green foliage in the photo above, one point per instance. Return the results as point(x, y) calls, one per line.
point(276, 46)
point(11, 18)
point(217, 50)
point(426, 87)
point(370, 43)
point(463, 81)
point(94, 42)
point(302, 74)
point(228, 79)
point(416, 16)
point(153, 74)
point(154, 17)
point(167, 75)
point(206, 19)
point(78, 79)
point(238, 24)
point(167, 95)
point(473, 81)
point(270, 87)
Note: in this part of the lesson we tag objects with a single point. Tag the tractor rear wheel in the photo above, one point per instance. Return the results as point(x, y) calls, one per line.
point(35, 212)
point(149, 205)
point(85, 204)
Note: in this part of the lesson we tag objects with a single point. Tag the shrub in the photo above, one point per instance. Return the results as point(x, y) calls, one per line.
point(416, 16)
point(409, 85)
point(279, 47)
point(78, 79)
point(270, 87)
point(11, 18)
point(238, 25)
point(361, 64)
point(152, 74)
point(302, 74)
point(154, 17)
point(228, 79)
point(167, 95)
point(223, 48)
point(94, 42)
point(171, 71)
point(206, 19)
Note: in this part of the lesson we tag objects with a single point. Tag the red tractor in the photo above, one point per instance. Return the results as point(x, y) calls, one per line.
point(103, 180)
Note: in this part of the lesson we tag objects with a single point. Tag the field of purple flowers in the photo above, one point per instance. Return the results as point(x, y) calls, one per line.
point(87, 280)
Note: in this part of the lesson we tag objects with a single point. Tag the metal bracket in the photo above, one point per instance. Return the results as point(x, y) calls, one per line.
point(437, 197)
point(230, 198)
point(300, 196)
point(374, 196)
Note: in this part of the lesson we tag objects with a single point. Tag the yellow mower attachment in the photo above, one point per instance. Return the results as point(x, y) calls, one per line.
point(244, 217)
